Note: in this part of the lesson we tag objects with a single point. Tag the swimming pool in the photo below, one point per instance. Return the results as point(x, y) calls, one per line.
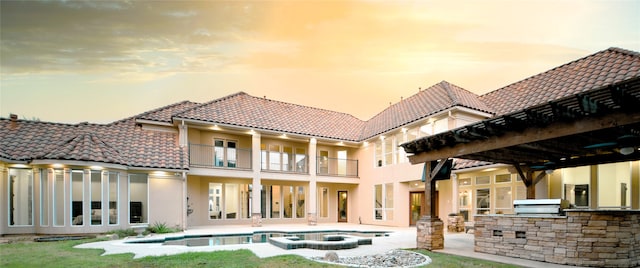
point(252, 238)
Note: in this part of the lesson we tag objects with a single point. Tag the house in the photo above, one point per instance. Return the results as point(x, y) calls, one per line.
point(247, 160)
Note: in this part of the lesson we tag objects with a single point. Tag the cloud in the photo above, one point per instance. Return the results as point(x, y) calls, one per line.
point(50, 37)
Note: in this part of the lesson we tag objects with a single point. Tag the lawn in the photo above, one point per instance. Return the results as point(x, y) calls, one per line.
point(62, 254)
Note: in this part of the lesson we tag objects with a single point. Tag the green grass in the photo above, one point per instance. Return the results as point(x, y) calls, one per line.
point(62, 254)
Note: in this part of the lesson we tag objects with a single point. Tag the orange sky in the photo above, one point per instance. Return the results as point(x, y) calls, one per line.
point(102, 61)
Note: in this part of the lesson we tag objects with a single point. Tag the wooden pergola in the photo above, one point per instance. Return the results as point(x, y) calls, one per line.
point(593, 127)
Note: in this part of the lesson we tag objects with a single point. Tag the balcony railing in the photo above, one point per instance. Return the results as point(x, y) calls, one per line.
point(337, 167)
point(284, 162)
point(209, 156)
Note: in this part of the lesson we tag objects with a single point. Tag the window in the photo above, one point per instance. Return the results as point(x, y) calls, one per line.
point(464, 182)
point(138, 198)
point(440, 126)
point(400, 139)
point(378, 153)
point(229, 201)
point(576, 185)
point(58, 198)
point(323, 162)
point(388, 151)
point(483, 201)
point(287, 200)
point(503, 200)
point(274, 157)
point(342, 163)
point(112, 188)
point(383, 203)
point(44, 197)
point(77, 197)
point(483, 180)
point(96, 198)
point(503, 178)
point(20, 197)
point(614, 180)
point(384, 151)
point(225, 153)
point(284, 201)
point(287, 158)
point(300, 200)
point(301, 160)
point(426, 130)
point(323, 203)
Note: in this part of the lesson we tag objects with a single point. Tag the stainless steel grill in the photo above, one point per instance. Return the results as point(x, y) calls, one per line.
point(540, 207)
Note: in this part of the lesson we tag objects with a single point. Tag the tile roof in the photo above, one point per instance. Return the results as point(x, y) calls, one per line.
point(165, 114)
point(243, 110)
point(603, 68)
point(427, 102)
point(124, 142)
point(121, 142)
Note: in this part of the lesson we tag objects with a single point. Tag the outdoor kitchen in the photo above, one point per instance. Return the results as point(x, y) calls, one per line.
point(548, 230)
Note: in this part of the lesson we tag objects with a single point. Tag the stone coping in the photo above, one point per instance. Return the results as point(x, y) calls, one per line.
point(600, 210)
point(329, 242)
point(522, 216)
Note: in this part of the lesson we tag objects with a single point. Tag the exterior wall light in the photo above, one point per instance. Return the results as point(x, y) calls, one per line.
point(626, 150)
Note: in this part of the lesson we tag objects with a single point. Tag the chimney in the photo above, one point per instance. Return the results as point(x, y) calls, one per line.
point(14, 120)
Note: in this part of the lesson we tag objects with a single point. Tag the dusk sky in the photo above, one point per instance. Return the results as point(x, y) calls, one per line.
point(100, 61)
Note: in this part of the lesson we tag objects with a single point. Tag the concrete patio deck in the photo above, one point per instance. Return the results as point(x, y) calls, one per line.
point(399, 238)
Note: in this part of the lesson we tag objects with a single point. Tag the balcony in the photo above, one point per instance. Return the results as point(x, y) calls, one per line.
point(284, 162)
point(337, 167)
point(209, 156)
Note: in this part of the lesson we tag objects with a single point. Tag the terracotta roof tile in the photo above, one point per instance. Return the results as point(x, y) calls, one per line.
point(121, 142)
point(597, 70)
point(429, 101)
point(165, 114)
point(243, 110)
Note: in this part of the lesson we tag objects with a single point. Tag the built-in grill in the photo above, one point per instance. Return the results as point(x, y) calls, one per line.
point(540, 207)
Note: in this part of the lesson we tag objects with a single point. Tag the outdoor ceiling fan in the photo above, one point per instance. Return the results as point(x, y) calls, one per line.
point(626, 144)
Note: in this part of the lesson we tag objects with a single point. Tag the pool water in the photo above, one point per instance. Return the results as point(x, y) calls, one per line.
point(256, 237)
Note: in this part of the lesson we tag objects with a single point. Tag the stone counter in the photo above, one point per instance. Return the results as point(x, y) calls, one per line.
point(596, 238)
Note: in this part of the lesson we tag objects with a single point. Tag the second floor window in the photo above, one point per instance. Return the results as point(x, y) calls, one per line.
point(225, 153)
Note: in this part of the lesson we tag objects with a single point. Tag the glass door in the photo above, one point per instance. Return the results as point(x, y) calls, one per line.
point(415, 207)
point(342, 206)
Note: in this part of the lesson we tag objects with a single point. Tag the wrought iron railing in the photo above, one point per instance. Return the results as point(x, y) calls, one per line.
point(337, 167)
point(284, 162)
point(204, 155)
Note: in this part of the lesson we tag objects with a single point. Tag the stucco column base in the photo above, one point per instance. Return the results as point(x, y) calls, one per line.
point(256, 220)
point(312, 218)
point(430, 233)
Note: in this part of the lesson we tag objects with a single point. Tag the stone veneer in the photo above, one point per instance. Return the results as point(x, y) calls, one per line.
point(596, 238)
point(430, 233)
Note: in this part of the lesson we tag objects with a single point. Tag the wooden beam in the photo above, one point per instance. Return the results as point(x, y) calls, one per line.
point(535, 134)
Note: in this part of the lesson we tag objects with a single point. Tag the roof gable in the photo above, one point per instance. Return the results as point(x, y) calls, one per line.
point(427, 102)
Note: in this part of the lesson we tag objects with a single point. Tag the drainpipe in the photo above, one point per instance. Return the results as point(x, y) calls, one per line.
point(185, 204)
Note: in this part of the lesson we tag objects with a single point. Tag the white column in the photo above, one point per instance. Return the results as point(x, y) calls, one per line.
point(312, 215)
point(256, 216)
point(183, 135)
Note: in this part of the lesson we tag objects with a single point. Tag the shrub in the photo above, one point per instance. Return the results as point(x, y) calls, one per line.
point(124, 232)
point(161, 228)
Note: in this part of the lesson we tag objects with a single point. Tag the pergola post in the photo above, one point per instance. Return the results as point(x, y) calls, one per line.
point(430, 234)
